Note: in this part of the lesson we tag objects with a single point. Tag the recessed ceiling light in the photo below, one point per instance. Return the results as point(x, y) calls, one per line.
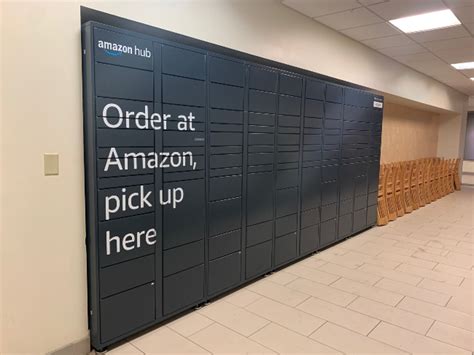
point(465, 65)
point(426, 22)
point(472, 79)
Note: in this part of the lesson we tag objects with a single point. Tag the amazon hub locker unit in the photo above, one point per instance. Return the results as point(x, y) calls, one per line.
point(207, 168)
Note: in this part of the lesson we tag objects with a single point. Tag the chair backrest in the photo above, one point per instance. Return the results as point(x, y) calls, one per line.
point(398, 175)
point(407, 166)
point(414, 173)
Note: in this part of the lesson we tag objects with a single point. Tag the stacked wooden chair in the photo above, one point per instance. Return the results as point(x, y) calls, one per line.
point(457, 178)
point(382, 209)
point(408, 185)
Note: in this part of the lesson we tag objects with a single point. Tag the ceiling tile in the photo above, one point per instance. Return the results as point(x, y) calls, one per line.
point(456, 55)
point(428, 66)
point(468, 73)
point(371, 31)
point(400, 8)
point(465, 14)
point(470, 27)
point(441, 72)
point(416, 57)
point(348, 19)
point(315, 8)
point(458, 3)
point(402, 50)
point(436, 35)
point(456, 43)
point(387, 42)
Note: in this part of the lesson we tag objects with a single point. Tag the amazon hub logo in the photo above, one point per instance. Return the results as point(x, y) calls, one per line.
point(116, 50)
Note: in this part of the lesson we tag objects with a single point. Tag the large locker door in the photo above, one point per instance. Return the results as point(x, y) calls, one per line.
point(226, 129)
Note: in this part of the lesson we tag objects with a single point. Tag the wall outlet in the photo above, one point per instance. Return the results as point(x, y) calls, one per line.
point(51, 164)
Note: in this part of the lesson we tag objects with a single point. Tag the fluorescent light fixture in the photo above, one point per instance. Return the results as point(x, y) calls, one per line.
point(426, 22)
point(472, 79)
point(465, 65)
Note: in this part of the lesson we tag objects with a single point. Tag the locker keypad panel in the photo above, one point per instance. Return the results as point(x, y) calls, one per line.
point(206, 170)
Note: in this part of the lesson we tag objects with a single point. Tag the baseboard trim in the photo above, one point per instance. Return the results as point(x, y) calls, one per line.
point(80, 347)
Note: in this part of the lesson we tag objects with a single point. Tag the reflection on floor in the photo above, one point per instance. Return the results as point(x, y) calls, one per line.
point(403, 288)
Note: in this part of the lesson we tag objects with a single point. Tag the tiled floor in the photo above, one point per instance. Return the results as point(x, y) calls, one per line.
point(403, 288)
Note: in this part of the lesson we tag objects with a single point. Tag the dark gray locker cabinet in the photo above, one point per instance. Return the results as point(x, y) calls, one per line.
point(207, 168)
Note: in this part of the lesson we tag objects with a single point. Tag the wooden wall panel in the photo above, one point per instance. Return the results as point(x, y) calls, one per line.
point(408, 133)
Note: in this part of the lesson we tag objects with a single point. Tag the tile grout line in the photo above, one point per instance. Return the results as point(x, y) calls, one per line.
point(233, 331)
point(133, 345)
point(197, 331)
point(426, 334)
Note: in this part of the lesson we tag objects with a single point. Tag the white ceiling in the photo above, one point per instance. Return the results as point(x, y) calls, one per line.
point(429, 52)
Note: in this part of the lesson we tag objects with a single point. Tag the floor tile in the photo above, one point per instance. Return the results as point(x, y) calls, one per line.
point(354, 259)
point(452, 335)
point(354, 242)
point(278, 293)
point(453, 270)
point(407, 260)
point(402, 238)
point(283, 340)
point(342, 316)
point(441, 287)
point(126, 349)
point(462, 302)
point(443, 245)
point(390, 274)
point(355, 275)
point(412, 342)
point(219, 339)
point(351, 342)
point(235, 318)
point(370, 292)
point(166, 341)
point(281, 278)
point(370, 248)
point(405, 289)
point(466, 245)
point(190, 324)
point(312, 274)
point(286, 316)
point(462, 262)
point(430, 274)
point(242, 297)
point(312, 262)
point(327, 293)
point(443, 314)
point(414, 248)
point(392, 315)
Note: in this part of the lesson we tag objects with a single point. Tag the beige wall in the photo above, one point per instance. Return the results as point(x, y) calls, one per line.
point(43, 265)
point(408, 133)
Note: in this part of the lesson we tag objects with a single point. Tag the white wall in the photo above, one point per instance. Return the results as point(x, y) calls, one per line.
point(43, 265)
